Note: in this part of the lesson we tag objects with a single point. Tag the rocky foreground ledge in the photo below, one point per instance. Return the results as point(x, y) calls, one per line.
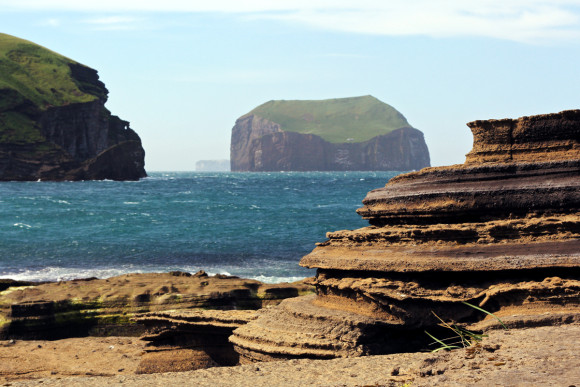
point(105, 307)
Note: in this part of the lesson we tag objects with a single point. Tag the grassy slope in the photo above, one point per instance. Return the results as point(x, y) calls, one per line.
point(29, 72)
point(335, 120)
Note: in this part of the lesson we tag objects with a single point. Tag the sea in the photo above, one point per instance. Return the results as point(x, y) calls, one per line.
point(252, 225)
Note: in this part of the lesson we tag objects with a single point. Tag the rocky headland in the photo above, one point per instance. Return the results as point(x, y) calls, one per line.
point(500, 232)
point(53, 120)
point(347, 134)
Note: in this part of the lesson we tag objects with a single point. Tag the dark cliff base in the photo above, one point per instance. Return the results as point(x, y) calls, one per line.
point(80, 141)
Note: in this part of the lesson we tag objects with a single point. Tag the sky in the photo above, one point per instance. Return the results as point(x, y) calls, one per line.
point(183, 71)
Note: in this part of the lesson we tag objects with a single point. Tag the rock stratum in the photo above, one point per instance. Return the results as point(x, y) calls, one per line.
point(53, 120)
point(500, 232)
point(347, 134)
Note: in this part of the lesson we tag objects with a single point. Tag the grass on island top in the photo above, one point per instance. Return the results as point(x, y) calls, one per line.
point(340, 120)
point(29, 72)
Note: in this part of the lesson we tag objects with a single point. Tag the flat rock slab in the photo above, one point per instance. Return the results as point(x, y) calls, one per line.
point(24, 359)
point(505, 256)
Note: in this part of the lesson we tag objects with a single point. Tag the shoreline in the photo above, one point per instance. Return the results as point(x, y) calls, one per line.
point(543, 355)
point(531, 356)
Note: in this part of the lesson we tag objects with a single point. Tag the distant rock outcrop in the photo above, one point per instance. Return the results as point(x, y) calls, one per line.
point(349, 134)
point(212, 166)
point(53, 122)
point(501, 231)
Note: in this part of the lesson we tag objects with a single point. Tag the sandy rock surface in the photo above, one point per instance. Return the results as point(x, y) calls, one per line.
point(20, 359)
point(544, 356)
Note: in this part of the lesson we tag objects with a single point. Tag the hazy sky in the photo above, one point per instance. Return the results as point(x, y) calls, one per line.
point(183, 71)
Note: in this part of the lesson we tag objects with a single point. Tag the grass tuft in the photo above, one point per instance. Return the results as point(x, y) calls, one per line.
point(462, 337)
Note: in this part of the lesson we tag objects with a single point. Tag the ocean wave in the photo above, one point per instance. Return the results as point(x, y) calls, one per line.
point(23, 225)
point(275, 279)
point(63, 274)
point(54, 274)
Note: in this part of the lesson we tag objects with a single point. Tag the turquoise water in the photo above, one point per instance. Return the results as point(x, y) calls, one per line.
point(255, 225)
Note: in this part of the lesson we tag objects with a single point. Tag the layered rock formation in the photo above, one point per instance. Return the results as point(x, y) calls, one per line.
point(108, 306)
point(350, 134)
point(53, 122)
point(500, 231)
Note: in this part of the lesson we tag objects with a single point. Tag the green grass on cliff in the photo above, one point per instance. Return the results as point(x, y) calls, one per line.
point(355, 119)
point(37, 74)
point(32, 78)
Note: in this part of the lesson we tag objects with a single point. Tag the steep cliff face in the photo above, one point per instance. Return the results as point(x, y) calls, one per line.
point(260, 144)
point(247, 130)
point(53, 122)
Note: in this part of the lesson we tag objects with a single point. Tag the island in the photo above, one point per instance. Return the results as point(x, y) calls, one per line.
point(344, 134)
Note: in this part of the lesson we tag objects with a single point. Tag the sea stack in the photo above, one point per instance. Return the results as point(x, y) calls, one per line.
point(500, 231)
point(344, 134)
point(53, 120)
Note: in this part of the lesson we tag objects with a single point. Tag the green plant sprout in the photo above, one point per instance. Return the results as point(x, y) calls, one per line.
point(463, 337)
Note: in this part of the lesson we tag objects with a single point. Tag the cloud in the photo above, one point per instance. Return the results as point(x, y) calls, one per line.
point(518, 20)
point(52, 23)
point(519, 23)
point(114, 23)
